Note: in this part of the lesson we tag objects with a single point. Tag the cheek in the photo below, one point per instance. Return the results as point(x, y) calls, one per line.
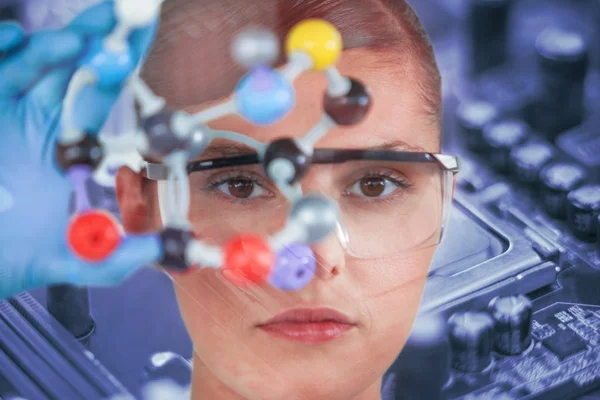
point(207, 303)
point(392, 290)
point(393, 276)
point(213, 314)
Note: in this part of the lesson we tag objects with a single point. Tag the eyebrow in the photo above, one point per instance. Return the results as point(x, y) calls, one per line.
point(397, 145)
point(225, 149)
point(228, 148)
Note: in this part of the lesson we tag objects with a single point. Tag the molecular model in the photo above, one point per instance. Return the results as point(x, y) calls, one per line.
point(263, 96)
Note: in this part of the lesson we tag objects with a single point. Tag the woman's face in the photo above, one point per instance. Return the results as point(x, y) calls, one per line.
point(233, 354)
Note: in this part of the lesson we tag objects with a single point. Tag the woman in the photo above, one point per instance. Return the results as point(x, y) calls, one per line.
point(335, 337)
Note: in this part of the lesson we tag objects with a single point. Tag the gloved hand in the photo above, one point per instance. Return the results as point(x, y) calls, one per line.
point(34, 193)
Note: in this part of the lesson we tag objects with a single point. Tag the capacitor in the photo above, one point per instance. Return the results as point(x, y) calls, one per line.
point(471, 339)
point(502, 136)
point(563, 58)
point(563, 53)
point(528, 160)
point(488, 21)
point(70, 305)
point(471, 118)
point(598, 236)
point(583, 211)
point(556, 181)
point(512, 323)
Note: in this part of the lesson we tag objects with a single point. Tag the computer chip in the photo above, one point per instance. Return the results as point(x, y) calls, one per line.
point(564, 343)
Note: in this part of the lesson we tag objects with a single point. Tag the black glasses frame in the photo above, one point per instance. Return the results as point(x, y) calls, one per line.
point(446, 162)
point(337, 156)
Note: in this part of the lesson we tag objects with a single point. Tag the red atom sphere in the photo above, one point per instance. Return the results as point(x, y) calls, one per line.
point(248, 258)
point(93, 235)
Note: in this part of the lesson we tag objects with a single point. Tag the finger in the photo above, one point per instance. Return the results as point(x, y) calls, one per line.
point(93, 106)
point(44, 50)
point(94, 103)
point(11, 35)
point(50, 91)
point(134, 252)
point(97, 20)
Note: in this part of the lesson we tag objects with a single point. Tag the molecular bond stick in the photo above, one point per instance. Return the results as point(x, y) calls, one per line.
point(263, 96)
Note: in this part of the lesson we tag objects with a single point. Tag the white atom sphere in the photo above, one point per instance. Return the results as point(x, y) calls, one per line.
point(137, 13)
point(255, 46)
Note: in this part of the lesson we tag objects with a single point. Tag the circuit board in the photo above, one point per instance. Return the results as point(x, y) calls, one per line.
point(528, 250)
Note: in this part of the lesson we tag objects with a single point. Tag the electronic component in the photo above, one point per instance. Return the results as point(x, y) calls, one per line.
point(488, 24)
point(502, 136)
point(471, 338)
point(565, 344)
point(471, 119)
point(583, 211)
point(512, 318)
point(557, 180)
point(598, 235)
point(528, 160)
point(44, 360)
point(168, 365)
point(564, 60)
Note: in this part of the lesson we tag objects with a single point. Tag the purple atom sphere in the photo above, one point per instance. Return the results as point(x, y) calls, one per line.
point(295, 267)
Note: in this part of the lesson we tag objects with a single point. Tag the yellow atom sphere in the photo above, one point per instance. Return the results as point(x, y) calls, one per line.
point(317, 37)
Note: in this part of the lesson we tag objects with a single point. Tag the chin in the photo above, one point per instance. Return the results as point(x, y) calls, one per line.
point(314, 386)
point(322, 372)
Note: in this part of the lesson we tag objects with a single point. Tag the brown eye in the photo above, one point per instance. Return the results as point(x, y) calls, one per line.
point(375, 186)
point(240, 188)
point(372, 187)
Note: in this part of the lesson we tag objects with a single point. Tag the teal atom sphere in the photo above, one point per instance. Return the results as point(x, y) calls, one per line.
point(264, 96)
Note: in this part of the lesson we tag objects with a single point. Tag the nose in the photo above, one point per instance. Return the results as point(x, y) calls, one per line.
point(330, 257)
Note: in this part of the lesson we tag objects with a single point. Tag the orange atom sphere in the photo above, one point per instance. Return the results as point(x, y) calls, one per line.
point(247, 258)
point(93, 235)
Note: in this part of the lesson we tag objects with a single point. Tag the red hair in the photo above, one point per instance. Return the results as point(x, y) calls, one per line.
point(190, 62)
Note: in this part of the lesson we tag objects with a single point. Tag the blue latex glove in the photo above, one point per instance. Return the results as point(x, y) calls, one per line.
point(34, 194)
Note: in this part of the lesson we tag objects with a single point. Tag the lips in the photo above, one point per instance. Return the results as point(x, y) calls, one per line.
point(310, 326)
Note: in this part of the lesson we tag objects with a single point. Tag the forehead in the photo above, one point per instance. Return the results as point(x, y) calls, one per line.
point(397, 113)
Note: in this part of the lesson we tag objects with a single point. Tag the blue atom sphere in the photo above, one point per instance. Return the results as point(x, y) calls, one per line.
point(264, 96)
point(111, 68)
